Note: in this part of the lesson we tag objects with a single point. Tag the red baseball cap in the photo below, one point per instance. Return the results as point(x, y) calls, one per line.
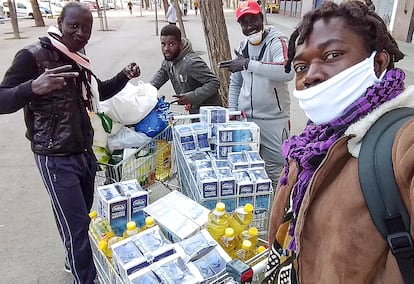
point(247, 7)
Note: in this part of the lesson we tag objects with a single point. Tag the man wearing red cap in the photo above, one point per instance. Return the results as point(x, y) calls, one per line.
point(258, 84)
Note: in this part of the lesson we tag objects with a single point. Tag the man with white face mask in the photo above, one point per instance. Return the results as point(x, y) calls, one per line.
point(320, 227)
point(258, 85)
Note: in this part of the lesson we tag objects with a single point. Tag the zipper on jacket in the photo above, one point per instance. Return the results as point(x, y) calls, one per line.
point(53, 128)
point(251, 94)
point(277, 99)
point(310, 185)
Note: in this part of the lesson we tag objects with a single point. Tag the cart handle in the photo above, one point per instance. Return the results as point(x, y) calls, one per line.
point(197, 115)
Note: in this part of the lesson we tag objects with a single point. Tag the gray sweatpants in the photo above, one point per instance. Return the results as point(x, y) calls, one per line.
point(272, 134)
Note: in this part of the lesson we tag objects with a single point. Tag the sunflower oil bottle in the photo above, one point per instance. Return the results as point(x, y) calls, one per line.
point(229, 242)
point(245, 252)
point(163, 160)
point(131, 229)
point(100, 227)
point(241, 218)
point(218, 220)
point(250, 234)
point(149, 223)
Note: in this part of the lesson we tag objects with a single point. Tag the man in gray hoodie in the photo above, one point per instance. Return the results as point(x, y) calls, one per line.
point(258, 84)
point(193, 82)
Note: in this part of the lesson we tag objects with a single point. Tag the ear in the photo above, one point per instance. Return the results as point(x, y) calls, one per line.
point(382, 60)
point(59, 22)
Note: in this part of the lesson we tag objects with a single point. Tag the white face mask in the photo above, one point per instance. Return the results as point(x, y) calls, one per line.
point(255, 38)
point(327, 100)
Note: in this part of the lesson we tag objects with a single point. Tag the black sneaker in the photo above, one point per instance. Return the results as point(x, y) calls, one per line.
point(67, 268)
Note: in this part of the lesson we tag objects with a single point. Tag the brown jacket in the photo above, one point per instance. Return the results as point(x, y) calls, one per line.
point(337, 241)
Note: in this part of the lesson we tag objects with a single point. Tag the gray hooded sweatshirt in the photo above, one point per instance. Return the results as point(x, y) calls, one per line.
point(262, 90)
point(190, 76)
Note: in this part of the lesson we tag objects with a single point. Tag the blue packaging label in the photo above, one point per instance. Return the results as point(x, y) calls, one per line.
point(210, 204)
point(262, 201)
point(243, 200)
point(209, 189)
point(227, 187)
point(231, 203)
point(245, 188)
point(118, 216)
point(263, 186)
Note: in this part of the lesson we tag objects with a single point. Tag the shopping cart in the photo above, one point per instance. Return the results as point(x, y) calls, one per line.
point(150, 164)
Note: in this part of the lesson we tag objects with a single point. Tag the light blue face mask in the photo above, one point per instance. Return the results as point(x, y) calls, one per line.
point(326, 101)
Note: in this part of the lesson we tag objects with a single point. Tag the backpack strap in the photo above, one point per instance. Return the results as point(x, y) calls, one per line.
point(376, 176)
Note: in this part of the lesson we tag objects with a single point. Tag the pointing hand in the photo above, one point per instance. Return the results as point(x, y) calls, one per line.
point(52, 79)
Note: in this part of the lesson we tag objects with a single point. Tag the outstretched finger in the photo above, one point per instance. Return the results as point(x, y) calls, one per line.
point(59, 69)
point(224, 65)
point(65, 74)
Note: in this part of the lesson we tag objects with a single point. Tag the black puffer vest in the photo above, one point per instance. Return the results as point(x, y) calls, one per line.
point(58, 124)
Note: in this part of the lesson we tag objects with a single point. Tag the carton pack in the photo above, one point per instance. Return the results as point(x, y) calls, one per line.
point(113, 206)
point(122, 202)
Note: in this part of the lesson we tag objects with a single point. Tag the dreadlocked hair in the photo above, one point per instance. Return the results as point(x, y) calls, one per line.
point(362, 21)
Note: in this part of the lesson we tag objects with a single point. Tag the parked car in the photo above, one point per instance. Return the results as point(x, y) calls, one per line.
point(23, 9)
point(272, 6)
point(90, 4)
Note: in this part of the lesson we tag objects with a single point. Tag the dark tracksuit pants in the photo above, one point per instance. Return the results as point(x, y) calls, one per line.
point(69, 182)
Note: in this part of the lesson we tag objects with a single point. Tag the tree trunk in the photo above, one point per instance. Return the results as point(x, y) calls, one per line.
point(13, 19)
point(264, 2)
point(39, 22)
point(217, 40)
point(179, 18)
point(165, 4)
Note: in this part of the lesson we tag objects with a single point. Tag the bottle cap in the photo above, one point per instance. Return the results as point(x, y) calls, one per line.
point(246, 245)
point(93, 214)
point(149, 221)
point(261, 249)
point(131, 225)
point(229, 232)
point(253, 231)
point(220, 207)
point(248, 208)
point(103, 245)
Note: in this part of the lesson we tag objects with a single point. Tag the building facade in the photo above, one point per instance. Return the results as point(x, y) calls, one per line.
point(397, 14)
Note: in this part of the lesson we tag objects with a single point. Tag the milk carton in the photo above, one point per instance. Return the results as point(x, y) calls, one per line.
point(113, 206)
point(137, 200)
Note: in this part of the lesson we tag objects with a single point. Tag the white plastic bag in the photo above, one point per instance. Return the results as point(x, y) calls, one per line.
point(131, 104)
point(126, 138)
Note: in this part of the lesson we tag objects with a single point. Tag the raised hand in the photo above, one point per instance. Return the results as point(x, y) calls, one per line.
point(53, 79)
point(132, 70)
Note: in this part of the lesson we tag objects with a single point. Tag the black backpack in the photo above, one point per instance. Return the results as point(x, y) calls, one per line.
point(380, 191)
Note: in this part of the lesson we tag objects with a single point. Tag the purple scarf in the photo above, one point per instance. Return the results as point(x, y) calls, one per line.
point(310, 147)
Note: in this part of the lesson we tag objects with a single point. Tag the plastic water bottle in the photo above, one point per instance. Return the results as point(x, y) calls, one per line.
point(229, 242)
point(218, 220)
point(241, 218)
point(250, 234)
point(245, 252)
point(131, 229)
point(100, 227)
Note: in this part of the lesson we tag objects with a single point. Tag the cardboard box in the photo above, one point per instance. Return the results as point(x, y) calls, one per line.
point(173, 223)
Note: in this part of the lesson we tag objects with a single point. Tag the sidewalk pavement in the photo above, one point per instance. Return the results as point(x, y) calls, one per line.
point(30, 248)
